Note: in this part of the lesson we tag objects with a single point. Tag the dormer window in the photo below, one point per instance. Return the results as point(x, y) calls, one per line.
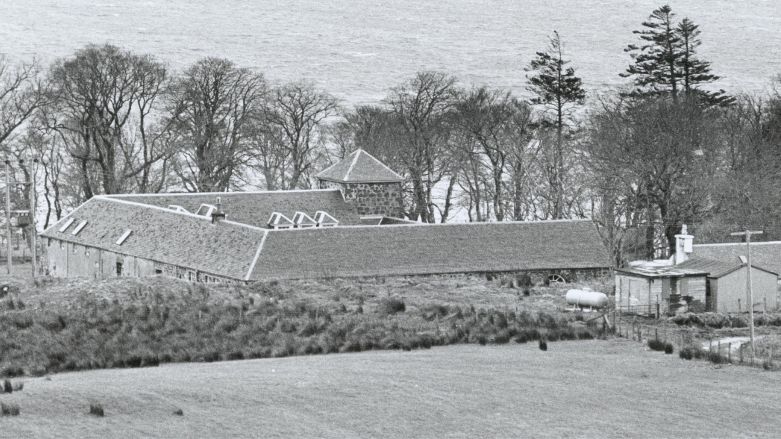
point(302, 221)
point(124, 236)
point(78, 228)
point(66, 225)
point(206, 210)
point(177, 208)
point(323, 219)
point(278, 221)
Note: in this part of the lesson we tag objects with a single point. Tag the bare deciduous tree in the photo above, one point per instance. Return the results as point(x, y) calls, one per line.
point(212, 109)
point(103, 98)
point(290, 139)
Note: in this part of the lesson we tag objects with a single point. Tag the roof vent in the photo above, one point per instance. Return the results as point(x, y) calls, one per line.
point(177, 208)
point(124, 236)
point(217, 214)
point(303, 221)
point(66, 225)
point(323, 219)
point(78, 228)
point(279, 221)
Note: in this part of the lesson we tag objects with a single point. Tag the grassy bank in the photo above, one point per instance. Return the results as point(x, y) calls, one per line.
point(135, 323)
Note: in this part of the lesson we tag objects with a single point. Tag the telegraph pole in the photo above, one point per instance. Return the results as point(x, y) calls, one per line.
point(33, 229)
point(8, 213)
point(747, 234)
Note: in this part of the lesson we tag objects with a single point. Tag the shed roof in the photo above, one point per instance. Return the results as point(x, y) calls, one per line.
point(255, 208)
point(224, 248)
point(360, 167)
point(763, 254)
point(430, 249)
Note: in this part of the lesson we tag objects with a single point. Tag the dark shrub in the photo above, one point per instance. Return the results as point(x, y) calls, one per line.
point(656, 345)
point(686, 353)
point(392, 305)
point(668, 348)
point(235, 355)
point(133, 361)
point(521, 338)
point(543, 345)
point(178, 412)
point(96, 409)
point(9, 409)
point(7, 387)
point(482, 339)
point(502, 337)
point(12, 372)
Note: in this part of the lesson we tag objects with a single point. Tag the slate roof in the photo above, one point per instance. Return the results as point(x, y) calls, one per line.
point(163, 235)
point(255, 208)
point(430, 249)
point(360, 167)
point(246, 252)
point(763, 254)
point(719, 268)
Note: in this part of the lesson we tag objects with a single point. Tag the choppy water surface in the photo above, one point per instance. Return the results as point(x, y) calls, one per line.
point(358, 48)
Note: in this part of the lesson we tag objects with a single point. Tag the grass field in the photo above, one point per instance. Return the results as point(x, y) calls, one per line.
point(603, 389)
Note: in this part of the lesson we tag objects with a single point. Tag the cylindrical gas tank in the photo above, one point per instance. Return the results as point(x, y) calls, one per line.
point(593, 299)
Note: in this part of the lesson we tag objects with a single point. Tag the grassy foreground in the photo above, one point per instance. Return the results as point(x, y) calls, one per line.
point(604, 389)
point(75, 325)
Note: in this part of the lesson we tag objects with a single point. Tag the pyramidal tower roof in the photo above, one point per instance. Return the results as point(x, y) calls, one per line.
point(360, 167)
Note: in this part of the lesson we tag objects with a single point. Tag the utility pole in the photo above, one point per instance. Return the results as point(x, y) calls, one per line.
point(8, 213)
point(33, 228)
point(747, 234)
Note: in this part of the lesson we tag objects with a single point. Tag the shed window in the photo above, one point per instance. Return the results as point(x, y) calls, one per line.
point(78, 228)
point(124, 236)
point(119, 269)
point(66, 225)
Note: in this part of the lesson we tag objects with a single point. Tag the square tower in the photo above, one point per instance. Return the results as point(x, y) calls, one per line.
point(367, 184)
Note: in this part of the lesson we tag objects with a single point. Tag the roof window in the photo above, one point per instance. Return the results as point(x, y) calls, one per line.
point(279, 221)
point(66, 225)
point(206, 210)
point(323, 219)
point(124, 236)
point(303, 221)
point(78, 228)
point(177, 208)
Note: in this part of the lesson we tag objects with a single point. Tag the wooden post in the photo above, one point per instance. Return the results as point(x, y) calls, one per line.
point(656, 333)
point(657, 311)
point(729, 352)
point(741, 353)
point(739, 309)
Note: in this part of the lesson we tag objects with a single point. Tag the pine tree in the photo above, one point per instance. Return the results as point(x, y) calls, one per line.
point(655, 69)
point(558, 88)
point(667, 61)
point(695, 71)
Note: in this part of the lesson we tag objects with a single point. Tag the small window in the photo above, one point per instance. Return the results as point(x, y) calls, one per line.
point(124, 236)
point(119, 269)
point(66, 225)
point(78, 228)
point(158, 271)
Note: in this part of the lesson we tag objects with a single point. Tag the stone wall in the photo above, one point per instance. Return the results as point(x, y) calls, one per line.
point(371, 198)
point(66, 259)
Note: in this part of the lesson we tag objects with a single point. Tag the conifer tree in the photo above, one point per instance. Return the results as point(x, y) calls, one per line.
point(667, 62)
point(558, 88)
point(695, 71)
point(655, 69)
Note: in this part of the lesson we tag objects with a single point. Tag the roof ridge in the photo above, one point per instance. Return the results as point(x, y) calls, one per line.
point(352, 165)
point(713, 244)
point(193, 194)
point(475, 223)
point(383, 164)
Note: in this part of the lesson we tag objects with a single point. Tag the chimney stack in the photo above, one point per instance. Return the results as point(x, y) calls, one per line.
point(218, 214)
point(683, 245)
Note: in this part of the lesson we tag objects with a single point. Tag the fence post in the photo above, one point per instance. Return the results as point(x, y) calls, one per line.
point(656, 333)
point(657, 311)
point(739, 309)
point(741, 353)
point(729, 353)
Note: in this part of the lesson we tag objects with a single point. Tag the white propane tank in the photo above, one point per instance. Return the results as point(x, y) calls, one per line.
point(583, 298)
